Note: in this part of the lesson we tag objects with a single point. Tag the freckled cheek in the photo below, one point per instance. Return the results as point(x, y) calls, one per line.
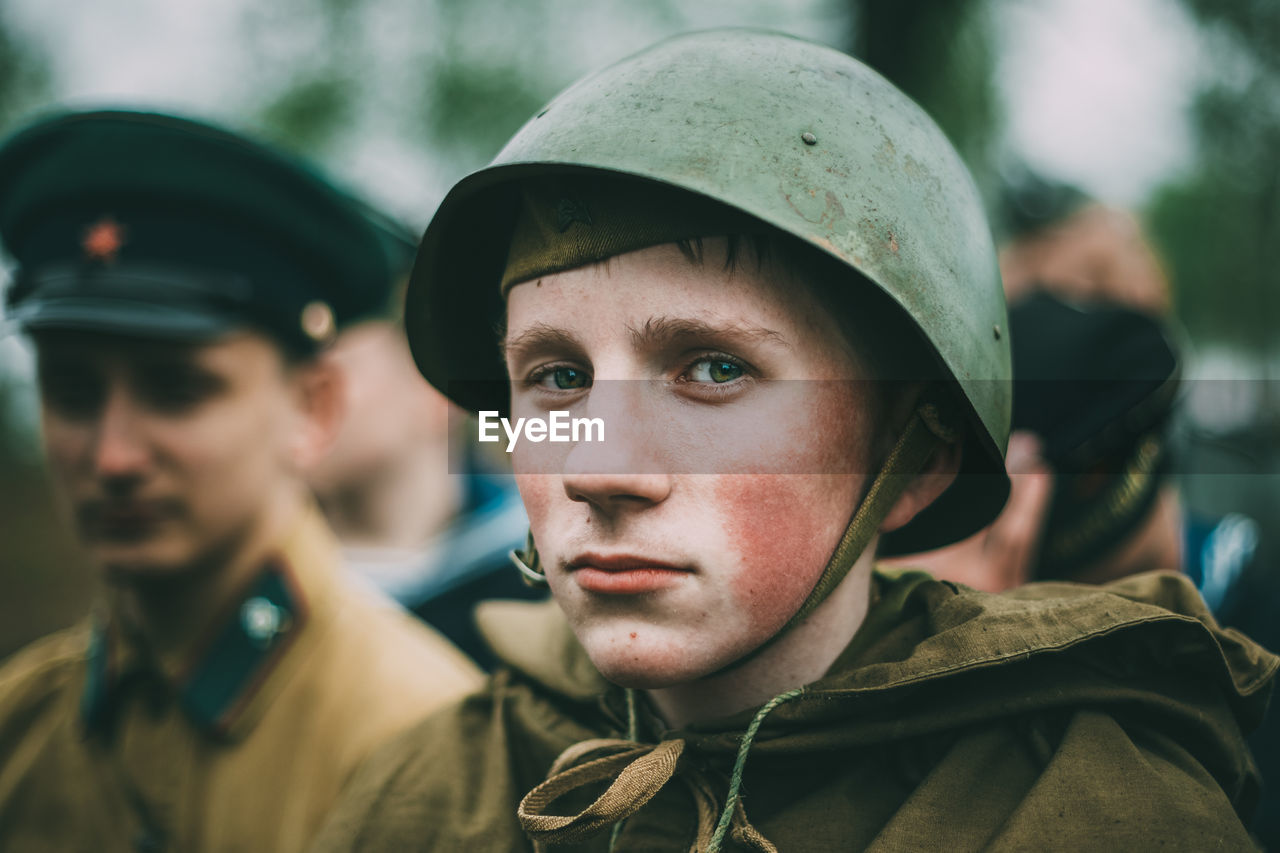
point(817, 427)
point(782, 531)
point(838, 428)
point(537, 492)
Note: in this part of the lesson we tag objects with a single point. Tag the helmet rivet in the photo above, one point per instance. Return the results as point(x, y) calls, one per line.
point(809, 138)
point(996, 331)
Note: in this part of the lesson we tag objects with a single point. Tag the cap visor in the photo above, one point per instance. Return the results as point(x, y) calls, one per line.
point(123, 317)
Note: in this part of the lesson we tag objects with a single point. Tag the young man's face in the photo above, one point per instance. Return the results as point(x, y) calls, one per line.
point(167, 454)
point(699, 526)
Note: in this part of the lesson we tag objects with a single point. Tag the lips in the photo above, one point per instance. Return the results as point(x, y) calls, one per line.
point(624, 574)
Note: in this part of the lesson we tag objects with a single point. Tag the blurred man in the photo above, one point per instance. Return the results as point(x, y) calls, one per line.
point(1091, 499)
point(180, 285)
point(1061, 241)
point(427, 523)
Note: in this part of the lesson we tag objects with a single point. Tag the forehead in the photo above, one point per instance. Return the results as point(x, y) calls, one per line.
point(231, 352)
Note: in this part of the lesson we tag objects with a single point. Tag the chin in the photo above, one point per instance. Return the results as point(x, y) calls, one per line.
point(134, 565)
point(643, 657)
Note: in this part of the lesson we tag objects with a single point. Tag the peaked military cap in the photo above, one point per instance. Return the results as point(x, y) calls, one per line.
point(157, 226)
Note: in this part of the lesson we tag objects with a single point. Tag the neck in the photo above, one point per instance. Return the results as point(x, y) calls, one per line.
point(799, 657)
point(172, 610)
point(404, 504)
point(1156, 544)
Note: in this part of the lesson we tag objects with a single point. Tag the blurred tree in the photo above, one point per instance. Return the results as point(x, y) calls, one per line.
point(39, 573)
point(941, 53)
point(24, 74)
point(1219, 225)
point(480, 92)
point(306, 106)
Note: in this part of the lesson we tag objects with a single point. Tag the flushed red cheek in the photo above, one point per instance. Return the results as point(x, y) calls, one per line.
point(782, 529)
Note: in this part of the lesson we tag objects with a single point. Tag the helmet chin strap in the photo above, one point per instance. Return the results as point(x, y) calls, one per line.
point(529, 564)
point(923, 433)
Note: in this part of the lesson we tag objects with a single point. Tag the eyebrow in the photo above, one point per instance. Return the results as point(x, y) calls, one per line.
point(538, 337)
point(663, 330)
point(656, 332)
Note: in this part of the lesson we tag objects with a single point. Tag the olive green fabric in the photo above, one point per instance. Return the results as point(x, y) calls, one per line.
point(575, 220)
point(1056, 717)
point(158, 757)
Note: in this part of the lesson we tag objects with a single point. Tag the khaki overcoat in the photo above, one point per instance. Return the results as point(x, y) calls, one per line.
point(240, 742)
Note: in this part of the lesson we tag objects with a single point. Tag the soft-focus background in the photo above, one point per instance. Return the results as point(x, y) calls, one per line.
point(1170, 108)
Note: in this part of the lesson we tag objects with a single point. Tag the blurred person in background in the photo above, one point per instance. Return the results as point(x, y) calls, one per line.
point(1094, 494)
point(1060, 240)
point(1097, 384)
point(417, 512)
point(1092, 499)
point(181, 284)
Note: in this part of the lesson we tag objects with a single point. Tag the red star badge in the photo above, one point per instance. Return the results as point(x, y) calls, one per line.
point(102, 240)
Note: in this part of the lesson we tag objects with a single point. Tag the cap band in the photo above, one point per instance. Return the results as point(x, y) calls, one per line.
point(568, 222)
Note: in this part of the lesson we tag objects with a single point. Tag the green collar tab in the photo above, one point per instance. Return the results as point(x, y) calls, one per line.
point(228, 672)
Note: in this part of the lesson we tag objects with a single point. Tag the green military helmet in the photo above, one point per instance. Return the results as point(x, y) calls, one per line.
point(799, 136)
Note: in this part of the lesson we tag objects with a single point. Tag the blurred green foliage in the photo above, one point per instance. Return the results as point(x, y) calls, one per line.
point(310, 113)
point(43, 583)
point(1219, 226)
point(24, 75)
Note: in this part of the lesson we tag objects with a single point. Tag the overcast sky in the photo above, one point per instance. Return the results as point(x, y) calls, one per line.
point(1097, 90)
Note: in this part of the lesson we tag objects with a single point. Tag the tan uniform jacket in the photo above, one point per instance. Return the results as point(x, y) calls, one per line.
point(241, 743)
point(1056, 717)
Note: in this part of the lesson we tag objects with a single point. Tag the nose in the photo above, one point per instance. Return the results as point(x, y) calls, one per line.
point(626, 469)
point(120, 450)
point(614, 492)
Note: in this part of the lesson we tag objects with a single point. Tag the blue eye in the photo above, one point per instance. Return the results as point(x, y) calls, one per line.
point(715, 370)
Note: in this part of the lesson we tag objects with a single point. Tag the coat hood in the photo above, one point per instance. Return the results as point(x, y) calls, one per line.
point(934, 657)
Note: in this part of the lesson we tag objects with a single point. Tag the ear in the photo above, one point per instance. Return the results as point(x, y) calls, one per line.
point(320, 400)
point(938, 474)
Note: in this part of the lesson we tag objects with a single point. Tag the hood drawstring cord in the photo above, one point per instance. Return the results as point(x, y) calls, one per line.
point(638, 772)
point(633, 735)
point(731, 803)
